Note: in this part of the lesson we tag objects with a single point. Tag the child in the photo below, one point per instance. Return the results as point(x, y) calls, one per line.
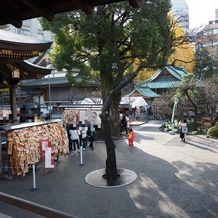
point(131, 137)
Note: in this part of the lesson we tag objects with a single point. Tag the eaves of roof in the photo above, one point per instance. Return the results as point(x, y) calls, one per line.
point(20, 43)
point(163, 84)
point(177, 72)
point(44, 82)
point(53, 81)
point(147, 92)
point(14, 11)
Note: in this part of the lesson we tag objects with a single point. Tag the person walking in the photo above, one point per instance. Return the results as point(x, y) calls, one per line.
point(124, 124)
point(127, 123)
point(74, 137)
point(182, 129)
point(131, 137)
point(84, 138)
point(91, 136)
point(67, 133)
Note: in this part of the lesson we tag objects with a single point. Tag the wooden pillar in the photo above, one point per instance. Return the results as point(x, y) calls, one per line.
point(13, 102)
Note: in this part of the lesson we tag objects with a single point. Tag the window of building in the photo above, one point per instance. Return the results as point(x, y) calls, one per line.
point(215, 31)
point(209, 43)
point(24, 32)
point(208, 32)
point(27, 23)
point(215, 43)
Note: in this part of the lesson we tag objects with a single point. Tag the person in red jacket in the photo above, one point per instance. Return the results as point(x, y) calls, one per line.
point(131, 137)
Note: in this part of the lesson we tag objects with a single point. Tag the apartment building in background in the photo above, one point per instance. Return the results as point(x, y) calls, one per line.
point(208, 36)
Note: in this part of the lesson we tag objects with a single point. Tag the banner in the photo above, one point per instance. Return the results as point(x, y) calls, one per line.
point(47, 153)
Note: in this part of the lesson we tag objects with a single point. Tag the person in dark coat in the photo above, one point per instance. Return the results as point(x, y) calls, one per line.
point(124, 124)
point(91, 136)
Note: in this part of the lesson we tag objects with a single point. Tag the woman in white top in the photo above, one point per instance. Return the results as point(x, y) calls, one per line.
point(74, 137)
point(84, 138)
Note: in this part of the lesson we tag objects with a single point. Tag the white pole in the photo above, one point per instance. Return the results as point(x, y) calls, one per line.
point(34, 177)
point(49, 92)
point(173, 113)
point(81, 155)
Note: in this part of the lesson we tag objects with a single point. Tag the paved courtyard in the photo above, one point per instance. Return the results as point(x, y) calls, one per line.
point(174, 179)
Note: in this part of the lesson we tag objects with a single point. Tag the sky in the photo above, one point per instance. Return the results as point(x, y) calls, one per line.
point(201, 11)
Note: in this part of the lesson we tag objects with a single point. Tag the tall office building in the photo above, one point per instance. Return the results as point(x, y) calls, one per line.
point(31, 28)
point(180, 10)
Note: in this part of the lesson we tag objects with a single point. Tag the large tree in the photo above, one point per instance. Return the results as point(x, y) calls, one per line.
point(118, 42)
point(183, 55)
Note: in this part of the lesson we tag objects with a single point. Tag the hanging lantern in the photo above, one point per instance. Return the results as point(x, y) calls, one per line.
point(15, 73)
point(15, 76)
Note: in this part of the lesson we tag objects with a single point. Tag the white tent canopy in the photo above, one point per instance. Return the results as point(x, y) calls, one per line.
point(91, 101)
point(134, 101)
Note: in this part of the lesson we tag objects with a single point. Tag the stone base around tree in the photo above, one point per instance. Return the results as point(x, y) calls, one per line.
point(96, 179)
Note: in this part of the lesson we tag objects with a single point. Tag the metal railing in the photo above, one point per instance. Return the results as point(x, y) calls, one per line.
point(33, 207)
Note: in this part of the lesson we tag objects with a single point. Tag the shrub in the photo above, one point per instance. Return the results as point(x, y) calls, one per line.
point(213, 132)
point(176, 130)
point(194, 132)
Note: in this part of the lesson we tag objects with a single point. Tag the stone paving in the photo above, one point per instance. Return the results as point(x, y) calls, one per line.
point(174, 179)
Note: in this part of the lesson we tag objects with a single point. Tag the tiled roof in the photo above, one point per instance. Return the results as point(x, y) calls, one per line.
point(158, 81)
point(177, 72)
point(54, 81)
point(45, 82)
point(163, 84)
point(147, 92)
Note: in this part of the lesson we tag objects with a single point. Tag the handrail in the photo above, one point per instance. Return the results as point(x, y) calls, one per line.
point(33, 207)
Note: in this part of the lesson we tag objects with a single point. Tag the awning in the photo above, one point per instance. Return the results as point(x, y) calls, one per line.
point(14, 11)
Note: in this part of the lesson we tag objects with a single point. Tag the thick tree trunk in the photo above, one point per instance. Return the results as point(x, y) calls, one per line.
point(111, 166)
point(114, 117)
point(109, 117)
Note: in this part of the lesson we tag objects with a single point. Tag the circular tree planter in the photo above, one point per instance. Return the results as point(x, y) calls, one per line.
point(96, 178)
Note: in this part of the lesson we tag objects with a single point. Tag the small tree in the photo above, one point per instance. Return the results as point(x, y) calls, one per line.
point(205, 65)
point(191, 89)
point(210, 90)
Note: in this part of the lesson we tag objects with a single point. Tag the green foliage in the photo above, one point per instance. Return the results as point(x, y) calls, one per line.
point(190, 90)
point(194, 133)
point(166, 127)
point(205, 65)
point(116, 41)
point(188, 86)
point(213, 132)
point(111, 38)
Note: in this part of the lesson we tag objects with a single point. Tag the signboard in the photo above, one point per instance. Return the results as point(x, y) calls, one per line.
point(184, 129)
point(47, 153)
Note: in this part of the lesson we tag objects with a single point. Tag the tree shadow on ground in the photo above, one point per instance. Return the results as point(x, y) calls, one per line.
point(175, 189)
